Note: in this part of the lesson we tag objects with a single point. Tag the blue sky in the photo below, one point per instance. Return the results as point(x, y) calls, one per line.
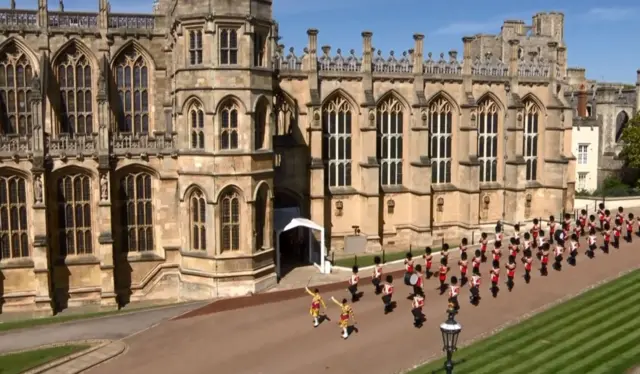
point(601, 36)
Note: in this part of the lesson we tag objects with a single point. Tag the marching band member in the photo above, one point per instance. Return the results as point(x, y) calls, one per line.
point(463, 245)
point(535, 230)
point(567, 225)
point(444, 253)
point(511, 272)
point(617, 231)
point(559, 250)
point(474, 298)
point(552, 228)
point(578, 229)
point(428, 261)
point(583, 221)
point(408, 268)
point(498, 232)
point(495, 278)
point(516, 231)
point(513, 247)
point(353, 284)
point(463, 264)
point(442, 274)
point(607, 217)
point(477, 260)
point(544, 260)
point(387, 294)
point(601, 215)
point(592, 244)
point(528, 261)
point(620, 214)
point(316, 301)
point(416, 310)
point(630, 224)
point(606, 232)
point(542, 239)
point(346, 315)
point(574, 245)
point(496, 253)
point(376, 279)
point(483, 246)
point(527, 242)
point(454, 291)
point(418, 288)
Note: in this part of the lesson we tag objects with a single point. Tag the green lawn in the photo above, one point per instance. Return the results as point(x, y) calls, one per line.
point(597, 332)
point(367, 259)
point(17, 363)
point(34, 322)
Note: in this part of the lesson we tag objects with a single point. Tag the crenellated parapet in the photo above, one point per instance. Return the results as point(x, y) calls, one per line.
point(489, 64)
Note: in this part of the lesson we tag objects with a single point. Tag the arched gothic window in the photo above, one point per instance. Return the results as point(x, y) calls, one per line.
point(137, 204)
point(260, 126)
point(229, 126)
point(530, 147)
point(16, 73)
point(74, 77)
point(440, 125)
point(336, 125)
point(132, 81)
point(488, 141)
point(198, 209)
point(196, 120)
point(286, 115)
point(230, 221)
point(261, 218)
point(14, 239)
point(390, 128)
point(74, 215)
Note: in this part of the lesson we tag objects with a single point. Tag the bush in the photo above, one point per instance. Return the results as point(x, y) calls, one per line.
point(614, 187)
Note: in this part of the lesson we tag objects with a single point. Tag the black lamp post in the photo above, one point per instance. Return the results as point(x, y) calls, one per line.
point(450, 331)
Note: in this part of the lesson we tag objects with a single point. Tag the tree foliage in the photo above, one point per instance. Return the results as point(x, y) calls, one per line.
point(631, 142)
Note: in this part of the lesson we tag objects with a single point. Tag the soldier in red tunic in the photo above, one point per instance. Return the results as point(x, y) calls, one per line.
point(463, 264)
point(513, 247)
point(574, 245)
point(474, 298)
point(428, 261)
point(583, 221)
point(416, 310)
point(408, 268)
point(630, 223)
point(620, 214)
point(528, 261)
point(496, 253)
point(552, 228)
point(617, 232)
point(444, 254)
point(477, 260)
point(387, 294)
point(601, 215)
point(607, 217)
point(593, 243)
point(558, 252)
point(353, 284)
point(544, 260)
point(495, 278)
point(592, 223)
point(535, 230)
point(606, 232)
point(376, 278)
point(483, 246)
point(442, 275)
point(499, 234)
point(418, 288)
point(463, 245)
point(454, 291)
point(511, 272)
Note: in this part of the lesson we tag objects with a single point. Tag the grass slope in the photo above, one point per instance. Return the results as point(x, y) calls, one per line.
point(597, 332)
point(20, 362)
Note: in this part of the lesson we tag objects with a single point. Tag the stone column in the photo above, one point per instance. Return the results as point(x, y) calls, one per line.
point(366, 52)
point(319, 203)
point(467, 144)
point(43, 15)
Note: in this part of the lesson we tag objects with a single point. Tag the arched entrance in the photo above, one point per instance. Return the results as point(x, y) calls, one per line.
point(293, 243)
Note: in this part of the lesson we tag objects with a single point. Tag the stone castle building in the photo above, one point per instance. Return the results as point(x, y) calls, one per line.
point(148, 156)
point(601, 112)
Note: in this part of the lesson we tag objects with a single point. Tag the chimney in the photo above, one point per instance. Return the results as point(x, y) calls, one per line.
point(466, 55)
point(418, 52)
point(313, 49)
point(582, 101)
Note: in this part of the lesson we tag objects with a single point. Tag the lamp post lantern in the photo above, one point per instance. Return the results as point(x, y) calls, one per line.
point(450, 331)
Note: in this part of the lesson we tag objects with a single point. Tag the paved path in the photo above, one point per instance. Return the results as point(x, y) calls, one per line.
point(278, 337)
point(110, 328)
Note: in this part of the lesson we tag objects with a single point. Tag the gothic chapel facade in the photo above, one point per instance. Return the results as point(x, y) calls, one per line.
point(147, 156)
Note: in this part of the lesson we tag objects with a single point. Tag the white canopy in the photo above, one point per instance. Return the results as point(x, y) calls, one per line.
point(303, 222)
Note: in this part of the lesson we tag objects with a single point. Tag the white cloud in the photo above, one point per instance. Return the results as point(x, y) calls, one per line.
point(611, 14)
